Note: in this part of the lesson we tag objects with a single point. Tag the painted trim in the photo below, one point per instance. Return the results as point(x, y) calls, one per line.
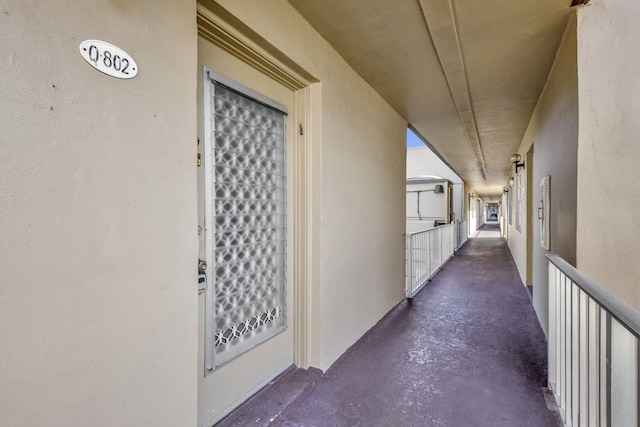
point(245, 91)
point(232, 43)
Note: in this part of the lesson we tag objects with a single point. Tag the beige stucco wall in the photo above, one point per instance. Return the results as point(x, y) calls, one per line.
point(363, 180)
point(98, 301)
point(608, 174)
point(553, 131)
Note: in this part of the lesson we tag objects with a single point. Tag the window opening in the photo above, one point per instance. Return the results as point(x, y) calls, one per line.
point(413, 140)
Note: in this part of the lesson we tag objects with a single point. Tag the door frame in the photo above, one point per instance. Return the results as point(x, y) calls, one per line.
point(222, 29)
point(529, 218)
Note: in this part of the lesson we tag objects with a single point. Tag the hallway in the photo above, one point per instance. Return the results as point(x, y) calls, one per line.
point(467, 351)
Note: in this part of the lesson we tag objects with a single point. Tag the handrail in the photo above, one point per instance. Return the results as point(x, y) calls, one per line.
point(426, 252)
point(417, 232)
point(618, 309)
point(430, 229)
point(593, 349)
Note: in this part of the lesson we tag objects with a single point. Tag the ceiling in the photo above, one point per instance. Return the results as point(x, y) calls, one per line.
point(465, 74)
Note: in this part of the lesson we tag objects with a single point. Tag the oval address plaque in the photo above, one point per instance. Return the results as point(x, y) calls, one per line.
point(109, 59)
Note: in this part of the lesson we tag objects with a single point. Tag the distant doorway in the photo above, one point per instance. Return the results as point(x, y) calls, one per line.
point(492, 212)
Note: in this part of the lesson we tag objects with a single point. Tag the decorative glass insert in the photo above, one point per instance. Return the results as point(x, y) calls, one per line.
point(247, 224)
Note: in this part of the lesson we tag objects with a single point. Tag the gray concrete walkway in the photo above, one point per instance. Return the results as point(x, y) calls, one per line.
point(467, 351)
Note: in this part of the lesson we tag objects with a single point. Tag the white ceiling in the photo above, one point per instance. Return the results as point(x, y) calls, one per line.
point(465, 74)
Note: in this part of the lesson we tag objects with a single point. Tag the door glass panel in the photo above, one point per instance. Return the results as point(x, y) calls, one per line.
point(246, 224)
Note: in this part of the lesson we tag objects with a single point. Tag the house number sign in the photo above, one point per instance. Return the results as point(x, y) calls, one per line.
point(108, 59)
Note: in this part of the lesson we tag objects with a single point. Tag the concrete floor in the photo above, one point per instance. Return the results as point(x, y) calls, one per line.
point(467, 351)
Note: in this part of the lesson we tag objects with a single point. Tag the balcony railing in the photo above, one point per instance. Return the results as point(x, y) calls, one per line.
point(427, 251)
point(594, 350)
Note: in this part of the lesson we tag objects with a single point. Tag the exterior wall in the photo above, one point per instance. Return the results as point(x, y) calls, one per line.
point(363, 181)
point(431, 206)
point(98, 296)
point(608, 173)
point(423, 161)
point(554, 132)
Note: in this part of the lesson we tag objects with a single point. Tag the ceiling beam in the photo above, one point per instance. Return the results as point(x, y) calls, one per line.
point(443, 27)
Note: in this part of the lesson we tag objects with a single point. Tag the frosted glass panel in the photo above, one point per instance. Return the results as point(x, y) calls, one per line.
point(249, 222)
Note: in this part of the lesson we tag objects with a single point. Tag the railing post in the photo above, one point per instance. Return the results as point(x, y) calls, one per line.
point(594, 363)
point(575, 353)
point(454, 238)
point(552, 328)
point(441, 246)
point(409, 268)
point(562, 373)
point(594, 351)
point(426, 252)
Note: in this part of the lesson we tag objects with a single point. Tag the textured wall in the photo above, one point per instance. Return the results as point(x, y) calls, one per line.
point(553, 132)
point(98, 303)
point(608, 173)
point(555, 154)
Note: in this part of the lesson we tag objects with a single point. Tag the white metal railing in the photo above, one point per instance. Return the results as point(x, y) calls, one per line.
point(426, 252)
point(594, 351)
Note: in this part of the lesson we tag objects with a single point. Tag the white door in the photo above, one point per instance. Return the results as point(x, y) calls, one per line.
point(245, 188)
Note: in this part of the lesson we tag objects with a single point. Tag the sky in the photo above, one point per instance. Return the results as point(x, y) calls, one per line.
point(413, 140)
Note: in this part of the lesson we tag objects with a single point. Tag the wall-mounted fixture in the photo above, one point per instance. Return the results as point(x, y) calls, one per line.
point(511, 181)
point(579, 2)
point(515, 159)
point(504, 190)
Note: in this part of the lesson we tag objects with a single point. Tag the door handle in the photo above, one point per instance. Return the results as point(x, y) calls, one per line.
point(202, 276)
